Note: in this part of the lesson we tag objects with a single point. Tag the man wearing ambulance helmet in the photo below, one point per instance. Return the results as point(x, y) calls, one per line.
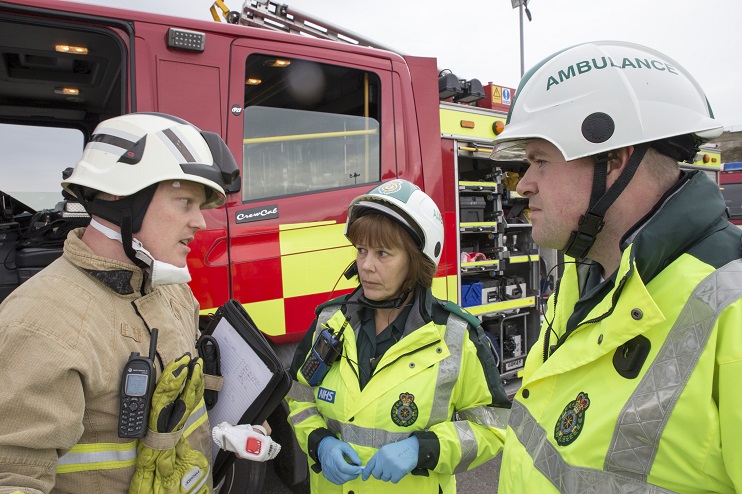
point(632, 383)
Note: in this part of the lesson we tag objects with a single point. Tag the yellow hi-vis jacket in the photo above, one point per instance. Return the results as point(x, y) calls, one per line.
point(65, 336)
point(634, 386)
point(433, 373)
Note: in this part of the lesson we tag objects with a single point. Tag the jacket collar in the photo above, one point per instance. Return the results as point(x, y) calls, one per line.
point(122, 278)
point(680, 219)
point(686, 214)
point(420, 314)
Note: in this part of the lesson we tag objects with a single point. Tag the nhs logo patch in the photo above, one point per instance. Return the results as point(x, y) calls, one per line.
point(326, 395)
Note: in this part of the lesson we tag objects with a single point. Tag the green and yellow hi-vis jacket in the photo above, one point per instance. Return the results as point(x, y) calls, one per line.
point(439, 381)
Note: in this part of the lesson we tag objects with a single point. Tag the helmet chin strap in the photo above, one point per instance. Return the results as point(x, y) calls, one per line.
point(161, 273)
point(591, 223)
point(394, 303)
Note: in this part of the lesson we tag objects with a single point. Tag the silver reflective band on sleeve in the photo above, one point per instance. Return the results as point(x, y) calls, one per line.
point(448, 370)
point(361, 436)
point(98, 456)
point(303, 415)
point(487, 416)
point(565, 477)
point(468, 443)
point(301, 392)
point(643, 418)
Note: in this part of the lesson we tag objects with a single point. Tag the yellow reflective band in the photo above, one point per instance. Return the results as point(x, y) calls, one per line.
point(197, 417)
point(304, 137)
point(98, 456)
point(110, 456)
point(518, 259)
point(508, 304)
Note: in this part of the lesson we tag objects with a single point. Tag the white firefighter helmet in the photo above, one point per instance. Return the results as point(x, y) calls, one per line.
point(129, 153)
point(409, 206)
point(600, 96)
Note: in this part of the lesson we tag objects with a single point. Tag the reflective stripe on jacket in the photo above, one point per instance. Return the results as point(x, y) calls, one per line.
point(111, 456)
point(641, 394)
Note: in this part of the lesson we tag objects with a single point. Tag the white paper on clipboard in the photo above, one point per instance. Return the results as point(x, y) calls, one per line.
point(245, 376)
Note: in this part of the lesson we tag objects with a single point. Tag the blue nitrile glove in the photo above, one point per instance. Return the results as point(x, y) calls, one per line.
point(332, 453)
point(393, 461)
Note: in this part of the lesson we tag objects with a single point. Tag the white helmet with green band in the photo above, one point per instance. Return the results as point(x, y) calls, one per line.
point(405, 203)
point(594, 98)
point(600, 96)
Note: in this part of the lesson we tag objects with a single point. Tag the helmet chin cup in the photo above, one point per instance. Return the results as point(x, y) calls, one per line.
point(161, 273)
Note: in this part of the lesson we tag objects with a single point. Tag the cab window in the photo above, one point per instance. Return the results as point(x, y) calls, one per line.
point(308, 127)
point(33, 160)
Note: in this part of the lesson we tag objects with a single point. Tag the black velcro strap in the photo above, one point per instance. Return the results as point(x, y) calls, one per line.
point(583, 239)
point(127, 237)
point(592, 222)
point(599, 176)
point(621, 182)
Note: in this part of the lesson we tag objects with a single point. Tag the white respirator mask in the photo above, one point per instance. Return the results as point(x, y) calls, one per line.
point(161, 273)
point(245, 441)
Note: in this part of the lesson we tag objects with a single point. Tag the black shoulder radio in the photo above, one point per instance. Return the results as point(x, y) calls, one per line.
point(326, 349)
point(137, 385)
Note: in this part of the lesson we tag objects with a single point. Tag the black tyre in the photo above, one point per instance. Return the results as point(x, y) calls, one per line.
point(244, 477)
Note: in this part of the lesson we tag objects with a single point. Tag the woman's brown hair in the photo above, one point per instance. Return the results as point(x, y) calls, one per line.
point(377, 230)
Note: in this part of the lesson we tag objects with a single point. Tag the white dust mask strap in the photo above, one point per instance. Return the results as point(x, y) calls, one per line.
point(161, 273)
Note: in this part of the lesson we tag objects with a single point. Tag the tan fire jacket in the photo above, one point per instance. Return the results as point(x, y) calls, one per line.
point(65, 336)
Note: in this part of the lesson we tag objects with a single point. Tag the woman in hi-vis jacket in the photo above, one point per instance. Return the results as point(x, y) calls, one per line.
point(407, 393)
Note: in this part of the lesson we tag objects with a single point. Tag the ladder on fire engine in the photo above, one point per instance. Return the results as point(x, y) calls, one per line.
point(271, 15)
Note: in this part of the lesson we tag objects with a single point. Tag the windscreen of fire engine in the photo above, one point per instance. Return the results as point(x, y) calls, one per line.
point(308, 127)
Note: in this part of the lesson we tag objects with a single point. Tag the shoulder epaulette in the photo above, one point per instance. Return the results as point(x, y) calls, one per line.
point(462, 313)
point(336, 301)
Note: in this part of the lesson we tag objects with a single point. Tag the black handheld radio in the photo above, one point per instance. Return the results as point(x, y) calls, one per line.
point(326, 349)
point(137, 385)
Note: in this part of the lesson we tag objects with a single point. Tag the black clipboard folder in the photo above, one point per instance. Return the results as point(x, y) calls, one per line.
point(255, 380)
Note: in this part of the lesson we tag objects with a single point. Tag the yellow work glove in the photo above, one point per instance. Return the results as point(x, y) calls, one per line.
point(511, 180)
point(165, 461)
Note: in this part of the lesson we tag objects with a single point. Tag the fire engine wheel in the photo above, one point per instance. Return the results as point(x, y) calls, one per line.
point(245, 477)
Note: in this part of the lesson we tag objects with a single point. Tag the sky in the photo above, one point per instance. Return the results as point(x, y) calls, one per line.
point(481, 38)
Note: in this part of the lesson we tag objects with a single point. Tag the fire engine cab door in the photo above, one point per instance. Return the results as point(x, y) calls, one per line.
point(311, 129)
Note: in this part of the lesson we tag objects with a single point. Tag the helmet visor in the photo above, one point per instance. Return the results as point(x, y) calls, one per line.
point(510, 150)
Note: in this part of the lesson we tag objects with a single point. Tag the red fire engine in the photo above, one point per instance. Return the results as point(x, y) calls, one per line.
point(313, 123)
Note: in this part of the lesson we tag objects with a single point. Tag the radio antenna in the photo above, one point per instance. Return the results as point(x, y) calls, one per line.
point(153, 345)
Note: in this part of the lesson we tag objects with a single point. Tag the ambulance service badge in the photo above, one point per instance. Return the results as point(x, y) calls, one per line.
point(569, 425)
point(404, 411)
